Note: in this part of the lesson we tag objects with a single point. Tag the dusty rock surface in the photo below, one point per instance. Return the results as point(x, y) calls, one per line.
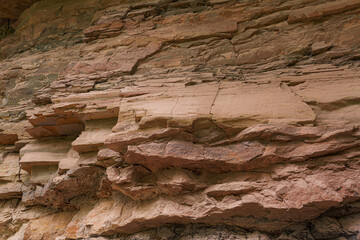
point(186, 119)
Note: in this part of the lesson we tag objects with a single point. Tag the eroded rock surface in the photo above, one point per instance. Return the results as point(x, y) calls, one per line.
point(157, 119)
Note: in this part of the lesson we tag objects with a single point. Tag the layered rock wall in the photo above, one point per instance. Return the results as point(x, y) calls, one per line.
point(189, 119)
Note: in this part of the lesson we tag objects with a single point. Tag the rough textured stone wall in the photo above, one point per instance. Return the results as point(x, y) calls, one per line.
point(180, 119)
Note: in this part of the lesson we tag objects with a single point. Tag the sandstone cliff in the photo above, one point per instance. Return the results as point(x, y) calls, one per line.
point(180, 119)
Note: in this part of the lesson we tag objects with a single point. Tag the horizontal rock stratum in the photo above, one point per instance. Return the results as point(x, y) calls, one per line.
point(180, 119)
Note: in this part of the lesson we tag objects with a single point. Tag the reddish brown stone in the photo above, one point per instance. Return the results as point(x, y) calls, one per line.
point(160, 119)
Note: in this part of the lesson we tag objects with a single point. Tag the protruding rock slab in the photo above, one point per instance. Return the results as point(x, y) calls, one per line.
point(129, 181)
point(68, 115)
point(322, 10)
point(242, 105)
point(183, 154)
point(275, 206)
point(231, 105)
point(120, 141)
point(61, 189)
point(94, 136)
point(44, 152)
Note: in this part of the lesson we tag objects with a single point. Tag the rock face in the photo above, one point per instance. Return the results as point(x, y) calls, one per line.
point(186, 119)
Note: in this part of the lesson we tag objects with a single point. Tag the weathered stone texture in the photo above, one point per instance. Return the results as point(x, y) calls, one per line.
point(186, 119)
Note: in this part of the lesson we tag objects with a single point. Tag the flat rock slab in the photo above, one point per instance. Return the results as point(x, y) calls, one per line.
point(94, 136)
point(246, 104)
point(40, 153)
point(229, 104)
